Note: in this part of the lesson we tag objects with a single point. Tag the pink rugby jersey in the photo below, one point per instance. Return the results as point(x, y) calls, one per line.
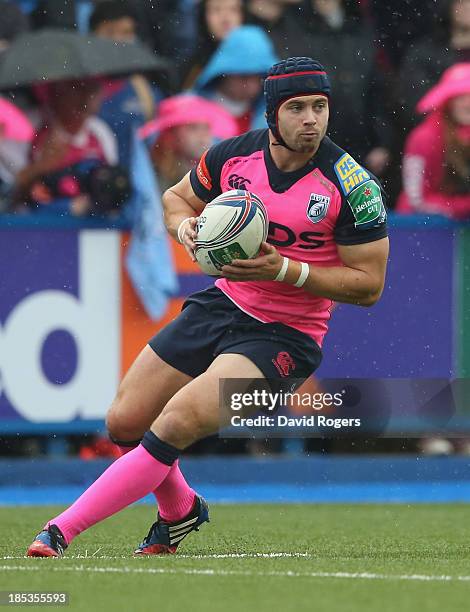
point(330, 201)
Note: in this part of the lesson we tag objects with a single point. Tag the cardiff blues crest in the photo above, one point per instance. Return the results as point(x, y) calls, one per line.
point(317, 207)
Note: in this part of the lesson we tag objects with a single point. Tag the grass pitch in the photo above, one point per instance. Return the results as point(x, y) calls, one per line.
point(257, 558)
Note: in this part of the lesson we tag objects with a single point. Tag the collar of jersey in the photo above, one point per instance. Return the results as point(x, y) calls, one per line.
point(282, 181)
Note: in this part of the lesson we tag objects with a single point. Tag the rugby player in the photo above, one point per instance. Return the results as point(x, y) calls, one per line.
point(265, 317)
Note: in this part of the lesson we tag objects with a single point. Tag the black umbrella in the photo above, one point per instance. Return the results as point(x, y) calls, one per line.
point(52, 55)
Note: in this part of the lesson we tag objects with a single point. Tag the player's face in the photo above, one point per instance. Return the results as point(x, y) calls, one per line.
point(302, 122)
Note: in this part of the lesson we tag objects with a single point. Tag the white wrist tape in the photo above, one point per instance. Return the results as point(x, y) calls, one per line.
point(303, 275)
point(283, 271)
point(180, 238)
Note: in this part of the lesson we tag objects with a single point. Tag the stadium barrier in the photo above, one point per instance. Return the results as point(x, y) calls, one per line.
point(312, 479)
point(71, 323)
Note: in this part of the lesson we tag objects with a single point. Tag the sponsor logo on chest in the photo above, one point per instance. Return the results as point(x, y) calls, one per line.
point(317, 207)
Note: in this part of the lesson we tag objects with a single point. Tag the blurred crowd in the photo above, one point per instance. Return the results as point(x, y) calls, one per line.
point(400, 105)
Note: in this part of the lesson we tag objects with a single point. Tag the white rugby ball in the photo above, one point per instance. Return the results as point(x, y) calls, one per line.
point(232, 226)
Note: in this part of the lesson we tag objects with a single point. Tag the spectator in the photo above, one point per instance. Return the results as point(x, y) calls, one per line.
point(186, 127)
point(426, 60)
point(127, 103)
point(233, 76)
point(436, 164)
point(216, 19)
point(12, 23)
point(180, 144)
point(68, 15)
point(335, 33)
point(115, 20)
point(169, 27)
point(70, 146)
point(398, 23)
point(269, 14)
point(16, 133)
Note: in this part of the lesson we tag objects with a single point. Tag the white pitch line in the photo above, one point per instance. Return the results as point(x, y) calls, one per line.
point(215, 572)
point(269, 555)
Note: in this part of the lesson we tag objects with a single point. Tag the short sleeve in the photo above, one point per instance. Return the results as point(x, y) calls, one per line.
point(205, 177)
point(363, 216)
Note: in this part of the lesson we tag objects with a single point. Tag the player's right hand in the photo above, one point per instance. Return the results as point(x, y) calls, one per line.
point(188, 235)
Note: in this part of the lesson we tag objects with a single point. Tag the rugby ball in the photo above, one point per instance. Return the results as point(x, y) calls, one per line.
point(232, 226)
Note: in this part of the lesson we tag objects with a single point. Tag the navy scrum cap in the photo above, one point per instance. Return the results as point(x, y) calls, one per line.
point(289, 78)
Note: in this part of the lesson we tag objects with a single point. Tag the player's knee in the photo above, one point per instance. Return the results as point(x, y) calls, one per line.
point(120, 423)
point(117, 429)
point(174, 427)
point(182, 427)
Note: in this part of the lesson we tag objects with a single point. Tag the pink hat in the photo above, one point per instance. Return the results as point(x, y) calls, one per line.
point(14, 124)
point(454, 82)
point(185, 109)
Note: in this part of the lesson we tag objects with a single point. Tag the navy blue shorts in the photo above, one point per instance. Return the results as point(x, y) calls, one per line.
point(210, 324)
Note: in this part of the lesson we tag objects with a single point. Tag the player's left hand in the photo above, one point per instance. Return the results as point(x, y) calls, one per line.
point(264, 267)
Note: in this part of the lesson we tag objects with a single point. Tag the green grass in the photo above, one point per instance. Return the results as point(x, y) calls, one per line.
point(392, 541)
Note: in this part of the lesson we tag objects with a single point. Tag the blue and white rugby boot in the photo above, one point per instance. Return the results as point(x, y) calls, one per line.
point(164, 538)
point(48, 543)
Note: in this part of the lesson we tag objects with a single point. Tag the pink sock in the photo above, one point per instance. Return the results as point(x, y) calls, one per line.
point(174, 496)
point(125, 449)
point(127, 480)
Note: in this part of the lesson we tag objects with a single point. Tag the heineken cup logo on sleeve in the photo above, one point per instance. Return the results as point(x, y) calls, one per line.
point(366, 204)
